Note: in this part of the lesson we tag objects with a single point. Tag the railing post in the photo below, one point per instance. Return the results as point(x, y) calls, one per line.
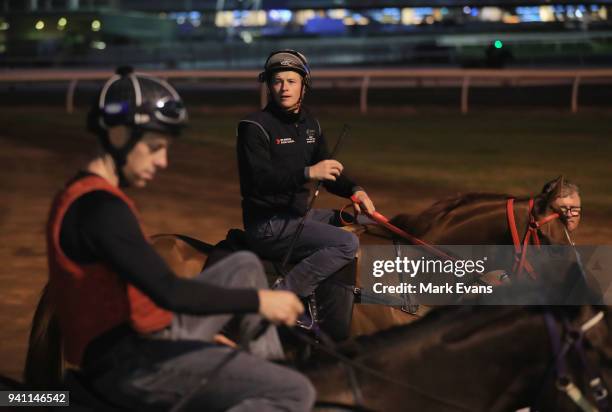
point(363, 98)
point(70, 96)
point(464, 94)
point(575, 87)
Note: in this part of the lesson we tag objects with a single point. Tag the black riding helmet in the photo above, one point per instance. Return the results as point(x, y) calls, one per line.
point(283, 60)
point(140, 102)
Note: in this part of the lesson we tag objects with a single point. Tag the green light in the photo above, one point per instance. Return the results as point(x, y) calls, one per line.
point(498, 44)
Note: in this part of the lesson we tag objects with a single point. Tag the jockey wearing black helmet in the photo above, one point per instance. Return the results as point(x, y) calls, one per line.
point(280, 149)
point(143, 337)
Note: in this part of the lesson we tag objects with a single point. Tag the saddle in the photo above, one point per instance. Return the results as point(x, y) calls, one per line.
point(335, 296)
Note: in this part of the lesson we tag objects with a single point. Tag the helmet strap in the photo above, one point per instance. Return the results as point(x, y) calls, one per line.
point(119, 155)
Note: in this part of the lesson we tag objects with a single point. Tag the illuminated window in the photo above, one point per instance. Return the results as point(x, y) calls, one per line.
point(337, 13)
point(224, 19)
point(302, 16)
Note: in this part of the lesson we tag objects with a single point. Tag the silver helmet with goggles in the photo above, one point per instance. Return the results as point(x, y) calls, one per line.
point(140, 102)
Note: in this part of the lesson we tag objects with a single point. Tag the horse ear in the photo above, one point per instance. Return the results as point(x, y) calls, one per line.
point(553, 189)
point(559, 183)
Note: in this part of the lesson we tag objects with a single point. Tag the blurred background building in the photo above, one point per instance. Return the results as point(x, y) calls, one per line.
point(236, 34)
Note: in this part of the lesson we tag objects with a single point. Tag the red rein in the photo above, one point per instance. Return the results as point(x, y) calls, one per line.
point(520, 249)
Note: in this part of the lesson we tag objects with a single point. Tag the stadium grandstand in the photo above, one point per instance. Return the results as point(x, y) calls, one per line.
point(234, 34)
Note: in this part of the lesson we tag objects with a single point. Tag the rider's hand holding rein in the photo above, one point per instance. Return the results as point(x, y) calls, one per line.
point(362, 198)
point(279, 307)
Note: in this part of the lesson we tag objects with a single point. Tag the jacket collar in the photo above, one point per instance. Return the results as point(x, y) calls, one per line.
point(284, 116)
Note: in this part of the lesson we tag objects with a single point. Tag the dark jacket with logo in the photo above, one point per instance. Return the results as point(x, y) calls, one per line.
point(274, 148)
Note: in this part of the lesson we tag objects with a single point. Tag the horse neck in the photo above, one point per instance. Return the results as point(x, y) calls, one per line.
point(478, 223)
point(462, 344)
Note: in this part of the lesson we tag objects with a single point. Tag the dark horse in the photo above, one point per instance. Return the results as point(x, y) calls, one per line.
point(467, 219)
point(467, 358)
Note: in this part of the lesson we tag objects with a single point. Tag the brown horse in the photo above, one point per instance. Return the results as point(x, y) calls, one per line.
point(467, 219)
point(461, 359)
point(470, 219)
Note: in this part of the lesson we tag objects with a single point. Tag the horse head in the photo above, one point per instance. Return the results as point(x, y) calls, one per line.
point(554, 231)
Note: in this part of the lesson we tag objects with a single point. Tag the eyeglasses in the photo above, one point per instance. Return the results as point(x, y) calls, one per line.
point(571, 210)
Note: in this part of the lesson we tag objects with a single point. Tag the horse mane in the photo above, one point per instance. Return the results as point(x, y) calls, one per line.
point(422, 222)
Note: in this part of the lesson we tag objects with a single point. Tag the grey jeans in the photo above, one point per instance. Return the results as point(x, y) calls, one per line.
point(321, 250)
point(161, 370)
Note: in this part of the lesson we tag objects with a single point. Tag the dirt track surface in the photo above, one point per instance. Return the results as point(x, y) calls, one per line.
point(197, 196)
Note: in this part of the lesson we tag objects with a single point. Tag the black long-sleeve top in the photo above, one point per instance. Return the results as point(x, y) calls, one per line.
point(100, 227)
point(273, 149)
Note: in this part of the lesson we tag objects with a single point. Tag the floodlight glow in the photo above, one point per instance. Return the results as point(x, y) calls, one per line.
point(39, 25)
point(96, 25)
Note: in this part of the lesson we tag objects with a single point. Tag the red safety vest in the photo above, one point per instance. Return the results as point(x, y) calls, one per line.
point(91, 299)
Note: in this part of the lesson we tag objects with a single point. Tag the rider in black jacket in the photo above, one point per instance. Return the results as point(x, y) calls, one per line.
point(280, 149)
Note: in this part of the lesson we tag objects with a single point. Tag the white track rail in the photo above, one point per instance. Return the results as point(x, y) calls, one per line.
point(364, 79)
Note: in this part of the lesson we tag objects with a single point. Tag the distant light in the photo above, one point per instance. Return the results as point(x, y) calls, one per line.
point(4, 26)
point(96, 25)
point(498, 44)
point(39, 25)
point(181, 19)
point(246, 37)
point(98, 45)
point(429, 20)
point(196, 23)
point(337, 14)
point(62, 22)
point(579, 13)
point(2, 48)
point(467, 9)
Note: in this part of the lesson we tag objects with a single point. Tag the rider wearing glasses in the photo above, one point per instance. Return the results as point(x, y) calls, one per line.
point(142, 337)
point(568, 202)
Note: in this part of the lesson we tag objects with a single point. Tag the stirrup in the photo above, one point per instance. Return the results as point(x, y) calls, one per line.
point(309, 318)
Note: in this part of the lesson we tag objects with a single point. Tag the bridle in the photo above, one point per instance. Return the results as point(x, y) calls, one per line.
point(531, 236)
point(565, 339)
